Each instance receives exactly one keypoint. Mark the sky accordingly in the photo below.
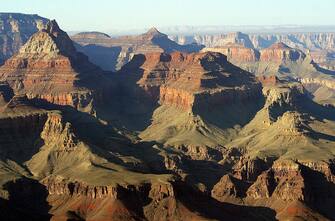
(105, 15)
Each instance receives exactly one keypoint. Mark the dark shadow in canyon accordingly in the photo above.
(232, 107)
(319, 192)
(22, 139)
(306, 105)
(202, 171)
(211, 208)
(129, 105)
(27, 201)
(231, 114)
(102, 56)
(323, 70)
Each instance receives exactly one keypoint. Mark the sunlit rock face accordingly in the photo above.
(15, 30)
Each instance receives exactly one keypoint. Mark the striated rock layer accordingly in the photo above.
(49, 68)
(236, 53)
(187, 80)
(280, 52)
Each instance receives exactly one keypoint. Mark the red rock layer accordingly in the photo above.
(49, 68)
(183, 80)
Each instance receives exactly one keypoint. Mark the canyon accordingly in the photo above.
(230, 131)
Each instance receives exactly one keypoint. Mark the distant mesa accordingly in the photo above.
(113, 53)
(91, 35)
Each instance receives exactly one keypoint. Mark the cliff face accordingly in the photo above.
(49, 68)
(310, 41)
(15, 30)
(224, 39)
(60, 187)
(185, 79)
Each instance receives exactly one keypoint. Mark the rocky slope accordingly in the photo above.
(15, 30)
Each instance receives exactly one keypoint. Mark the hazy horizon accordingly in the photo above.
(136, 16)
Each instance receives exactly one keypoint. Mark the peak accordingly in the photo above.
(50, 41)
(153, 30)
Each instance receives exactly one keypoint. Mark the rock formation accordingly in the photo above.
(320, 46)
(49, 68)
(280, 52)
(15, 30)
(237, 53)
(189, 79)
